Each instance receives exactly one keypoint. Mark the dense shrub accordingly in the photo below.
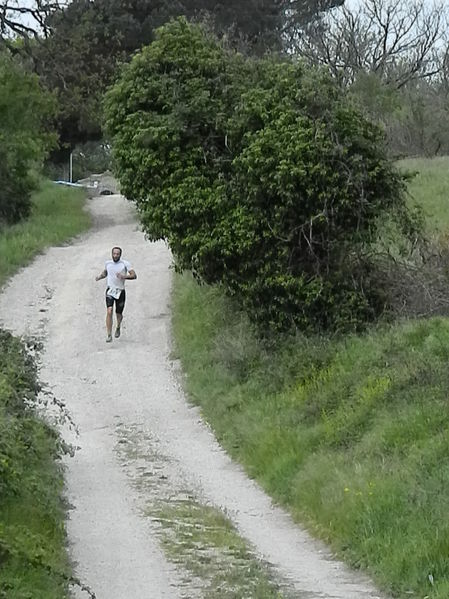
(15, 187)
(32, 535)
(18, 388)
(260, 176)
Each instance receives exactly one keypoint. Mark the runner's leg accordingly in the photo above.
(109, 309)
(109, 321)
(119, 307)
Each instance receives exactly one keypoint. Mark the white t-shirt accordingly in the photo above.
(113, 268)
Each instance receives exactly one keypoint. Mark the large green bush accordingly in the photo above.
(258, 173)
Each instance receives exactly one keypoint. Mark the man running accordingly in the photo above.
(117, 271)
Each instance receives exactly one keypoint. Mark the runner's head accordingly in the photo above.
(116, 253)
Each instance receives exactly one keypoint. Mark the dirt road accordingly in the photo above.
(153, 497)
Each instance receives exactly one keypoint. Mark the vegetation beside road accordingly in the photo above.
(32, 537)
(350, 434)
(429, 187)
(57, 215)
(32, 515)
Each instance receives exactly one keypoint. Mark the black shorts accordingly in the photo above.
(119, 303)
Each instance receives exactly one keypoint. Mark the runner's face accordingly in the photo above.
(116, 255)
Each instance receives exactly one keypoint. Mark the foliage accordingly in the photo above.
(259, 174)
(19, 386)
(179, 90)
(88, 39)
(31, 515)
(80, 57)
(89, 158)
(25, 109)
(393, 55)
(421, 128)
(414, 117)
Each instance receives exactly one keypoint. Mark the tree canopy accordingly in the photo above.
(87, 39)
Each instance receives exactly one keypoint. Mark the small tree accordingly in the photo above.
(259, 174)
(24, 137)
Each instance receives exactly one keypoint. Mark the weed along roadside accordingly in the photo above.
(350, 435)
(34, 561)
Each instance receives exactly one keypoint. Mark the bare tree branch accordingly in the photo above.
(19, 18)
(399, 40)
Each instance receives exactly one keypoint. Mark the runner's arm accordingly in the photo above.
(130, 275)
(102, 275)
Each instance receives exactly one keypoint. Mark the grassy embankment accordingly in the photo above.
(33, 561)
(351, 435)
(57, 216)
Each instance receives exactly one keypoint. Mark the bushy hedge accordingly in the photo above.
(259, 174)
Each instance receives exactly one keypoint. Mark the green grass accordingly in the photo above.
(352, 436)
(57, 216)
(430, 188)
